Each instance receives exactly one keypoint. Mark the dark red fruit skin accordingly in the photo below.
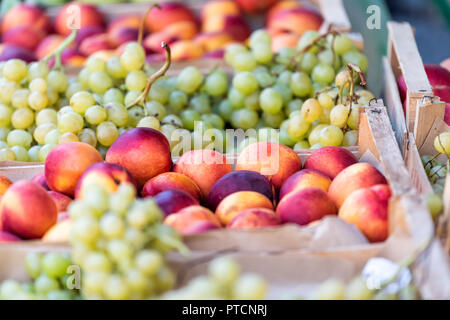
(172, 201)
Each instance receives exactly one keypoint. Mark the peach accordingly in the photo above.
(330, 160)
(172, 201)
(24, 36)
(304, 179)
(95, 43)
(186, 50)
(237, 202)
(9, 51)
(255, 6)
(204, 167)
(355, 177)
(66, 163)
(305, 205)
(297, 20)
(144, 152)
(254, 218)
(108, 175)
(275, 161)
(220, 7)
(183, 30)
(27, 210)
(170, 181)
(8, 237)
(242, 180)
(40, 180)
(5, 183)
(283, 5)
(25, 14)
(73, 57)
(170, 12)
(60, 232)
(284, 40)
(187, 217)
(48, 45)
(213, 41)
(199, 227)
(86, 32)
(235, 25)
(368, 210)
(216, 54)
(123, 29)
(61, 200)
(89, 15)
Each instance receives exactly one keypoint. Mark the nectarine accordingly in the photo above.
(5, 183)
(172, 201)
(304, 179)
(170, 181)
(254, 218)
(330, 160)
(187, 217)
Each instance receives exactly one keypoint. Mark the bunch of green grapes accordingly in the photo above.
(120, 244)
(50, 280)
(223, 282)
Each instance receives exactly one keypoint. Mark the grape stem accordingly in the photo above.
(352, 69)
(58, 51)
(152, 79)
(144, 17)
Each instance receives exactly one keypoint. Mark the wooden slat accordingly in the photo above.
(427, 147)
(428, 110)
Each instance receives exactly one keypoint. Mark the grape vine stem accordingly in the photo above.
(58, 51)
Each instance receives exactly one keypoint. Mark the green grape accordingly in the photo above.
(97, 261)
(232, 50)
(216, 83)
(308, 61)
(264, 78)
(19, 98)
(7, 155)
(81, 101)
(284, 91)
(244, 118)
(95, 115)
(357, 58)
(224, 270)
(100, 82)
(285, 56)
(325, 101)
(44, 284)
(285, 77)
(156, 109)
(135, 114)
(68, 137)
(59, 295)
(117, 113)
(21, 153)
(298, 127)
(88, 136)
(136, 80)
(112, 226)
(44, 151)
(52, 96)
(327, 57)
(86, 229)
(73, 88)
(262, 52)
(273, 120)
(271, 101)
(22, 118)
(357, 290)
(37, 70)
(342, 44)
(294, 105)
(286, 139)
(314, 134)
(251, 101)
(178, 99)
(133, 57)
(435, 204)
(259, 36)
(306, 40)
(94, 64)
(353, 119)
(245, 82)
(331, 136)
(149, 262)
(149, 122)
(15, 70)
(19, 137)
(364, 96)
(58, 81)
(301, 145)
(7, 89)
(339, 115)
(249, 287)
(159, 92)
(350, 138)
(3, 145)
(55, 265)
(323, 74)
(189, 79)
(236, 99)
(244, 61)
(70, 122)
(331, 290)
(311, 110)
(225, 109)
(113, 95)
(115, 69)
(301, 84)
(107, 133)
(39, 85)
(33, 264)
(33, 153)
(165, 279)
(37, 100)
(214, 120)
(442, 143)
(189, 117)
(325, 116)
(52, 137)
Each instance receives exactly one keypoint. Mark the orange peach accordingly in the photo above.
(255, 6)
(60, 232)
(199, 227)
(305, 205)
(172, 201)
(169, 13)
(8, 237)
(304, 179)
(186, 50)
(27, 210)
(295, 20)
(187, 217)
(355, 177)
(213, 41)
(48, 45)
(108, 175)
(95, 43)
(123, 29)
(241, 180)
(89, 15)
(284, 40)
(66, 163)
(61, 200)
(330, 160)
(170, 181)
(25, 14)
(5, 183)
(254, 218)
(24, 36)
(368, 210)
(144, 152)
(235, 25)
(283, 5)
(275, 161)
(40, 180)
(220, 7)
(237, 202)
(183, 30)
(204, 167)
